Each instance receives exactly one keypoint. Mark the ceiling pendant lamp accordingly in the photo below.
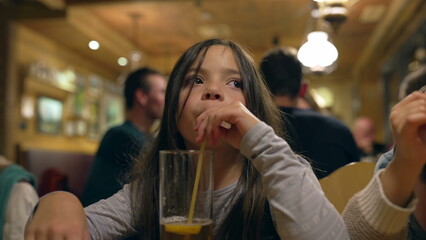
(318, 54)
(136, 56)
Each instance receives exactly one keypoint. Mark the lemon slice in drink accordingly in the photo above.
(183, 229)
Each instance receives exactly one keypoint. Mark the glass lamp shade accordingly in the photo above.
(317, 53)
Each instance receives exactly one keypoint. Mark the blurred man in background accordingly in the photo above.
(144, 92)
(364, 132)
(327, 142)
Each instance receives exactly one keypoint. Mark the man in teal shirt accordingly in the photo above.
(144, 92)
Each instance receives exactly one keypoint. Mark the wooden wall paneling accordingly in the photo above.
(44, 50)
(4, 54)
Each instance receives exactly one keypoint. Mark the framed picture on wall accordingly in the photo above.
(49, 115)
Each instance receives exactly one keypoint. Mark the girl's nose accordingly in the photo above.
(212, 94)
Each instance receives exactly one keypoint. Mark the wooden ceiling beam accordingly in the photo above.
(79, 2)
(54, 4)
(87, 23)
(384, 37)
(97, 2)
(33, 10)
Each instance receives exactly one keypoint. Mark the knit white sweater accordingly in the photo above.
(369, 215)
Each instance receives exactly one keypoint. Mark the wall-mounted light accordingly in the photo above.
(317, 54)
(27, 107)
(323, 97)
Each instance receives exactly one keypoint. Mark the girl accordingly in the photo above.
(262, 189)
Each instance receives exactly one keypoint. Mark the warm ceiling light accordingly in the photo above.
(317, 53)
(94, 45)
(336, 10)
(333, 11)
(122, 61)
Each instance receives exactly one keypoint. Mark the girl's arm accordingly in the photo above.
(59, 215)
(112, 218)
(298, 205)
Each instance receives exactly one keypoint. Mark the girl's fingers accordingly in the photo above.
(200, 134)
(228, 122)
(422, 133)
(41, 235)
(213, 128)
(60, 237)
(84, 236)
(204, 128)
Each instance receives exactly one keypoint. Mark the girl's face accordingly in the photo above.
(217, 83)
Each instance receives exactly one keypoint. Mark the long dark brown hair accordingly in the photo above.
(247, 213)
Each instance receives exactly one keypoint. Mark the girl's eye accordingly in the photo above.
(235, 83)
(193, 80)
(197, 80)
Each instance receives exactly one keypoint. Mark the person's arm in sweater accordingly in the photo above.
(391, 191)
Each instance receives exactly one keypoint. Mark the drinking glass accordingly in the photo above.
(186, 186)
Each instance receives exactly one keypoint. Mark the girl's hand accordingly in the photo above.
(59, 215)
(213, 124)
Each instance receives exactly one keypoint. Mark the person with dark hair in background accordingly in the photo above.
(144, 91)
(327, 142)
